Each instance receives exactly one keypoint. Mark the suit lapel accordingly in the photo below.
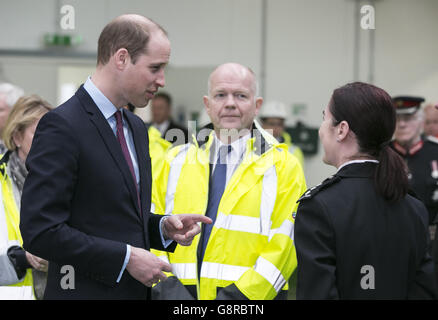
(109, 140)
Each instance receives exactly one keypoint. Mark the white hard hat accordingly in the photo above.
(273, 109)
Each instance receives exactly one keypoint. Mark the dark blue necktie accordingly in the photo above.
(217, 187)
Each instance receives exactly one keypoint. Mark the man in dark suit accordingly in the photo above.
(161, 107)
(86, 201)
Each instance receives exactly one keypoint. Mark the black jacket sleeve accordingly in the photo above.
(315, 247)
(155, 237)
(17, 256)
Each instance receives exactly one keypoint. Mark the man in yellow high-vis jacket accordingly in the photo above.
(248, 183)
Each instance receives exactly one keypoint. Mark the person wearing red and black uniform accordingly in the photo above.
(420, 154)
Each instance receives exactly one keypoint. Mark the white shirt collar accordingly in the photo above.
(355, 161)
(238, 149)
(103, 103)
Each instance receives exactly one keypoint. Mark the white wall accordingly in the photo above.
(407, 47)
(309, 49)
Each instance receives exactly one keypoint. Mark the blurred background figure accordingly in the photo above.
(9, 94)
(273, 115)
(421, 155)
(431, 120)
(161, 112)
(24, 273)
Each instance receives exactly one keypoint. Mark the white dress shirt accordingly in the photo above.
(233, 158)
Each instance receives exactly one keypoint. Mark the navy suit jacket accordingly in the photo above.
(79, 204)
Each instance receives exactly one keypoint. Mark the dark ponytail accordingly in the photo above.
(370, 114)
(391, 176)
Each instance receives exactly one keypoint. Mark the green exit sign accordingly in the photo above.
(63, 40)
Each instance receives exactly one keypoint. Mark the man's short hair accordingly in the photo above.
(11, 93)
(164, 96)
(124, 33)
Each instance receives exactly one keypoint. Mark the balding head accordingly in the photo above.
(129, 31)
(234, 70)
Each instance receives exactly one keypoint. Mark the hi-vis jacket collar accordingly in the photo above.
(261, 141)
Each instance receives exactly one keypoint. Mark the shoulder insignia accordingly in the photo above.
(314, 190)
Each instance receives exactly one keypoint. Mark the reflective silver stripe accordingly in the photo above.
(259, 225)
(269, 195)
(222, 271)
(164, 258)
(242, 223)
(16, 293)
(287, 228)
(174, 173)
(184, 270)
(270, 272)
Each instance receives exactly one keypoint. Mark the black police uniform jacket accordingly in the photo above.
(353, 244)
(422, 161)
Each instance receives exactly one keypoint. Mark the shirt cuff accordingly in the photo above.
(165, 243)
(125, 263)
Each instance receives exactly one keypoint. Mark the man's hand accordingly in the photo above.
(37, 263)
(146, 267)
(182, 228)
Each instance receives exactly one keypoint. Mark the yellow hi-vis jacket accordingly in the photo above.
(295, 150)
(157, 150)
(251, 244)
(10, 236)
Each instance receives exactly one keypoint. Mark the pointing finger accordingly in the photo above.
(199, 218)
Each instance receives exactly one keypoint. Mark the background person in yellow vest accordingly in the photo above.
(157, 150)
(249, 251)
(273, 115)
(21, 271)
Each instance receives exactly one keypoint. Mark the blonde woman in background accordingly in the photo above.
(23, 275)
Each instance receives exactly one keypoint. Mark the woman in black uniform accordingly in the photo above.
(359, 235)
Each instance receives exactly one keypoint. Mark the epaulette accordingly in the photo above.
(314, 190)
